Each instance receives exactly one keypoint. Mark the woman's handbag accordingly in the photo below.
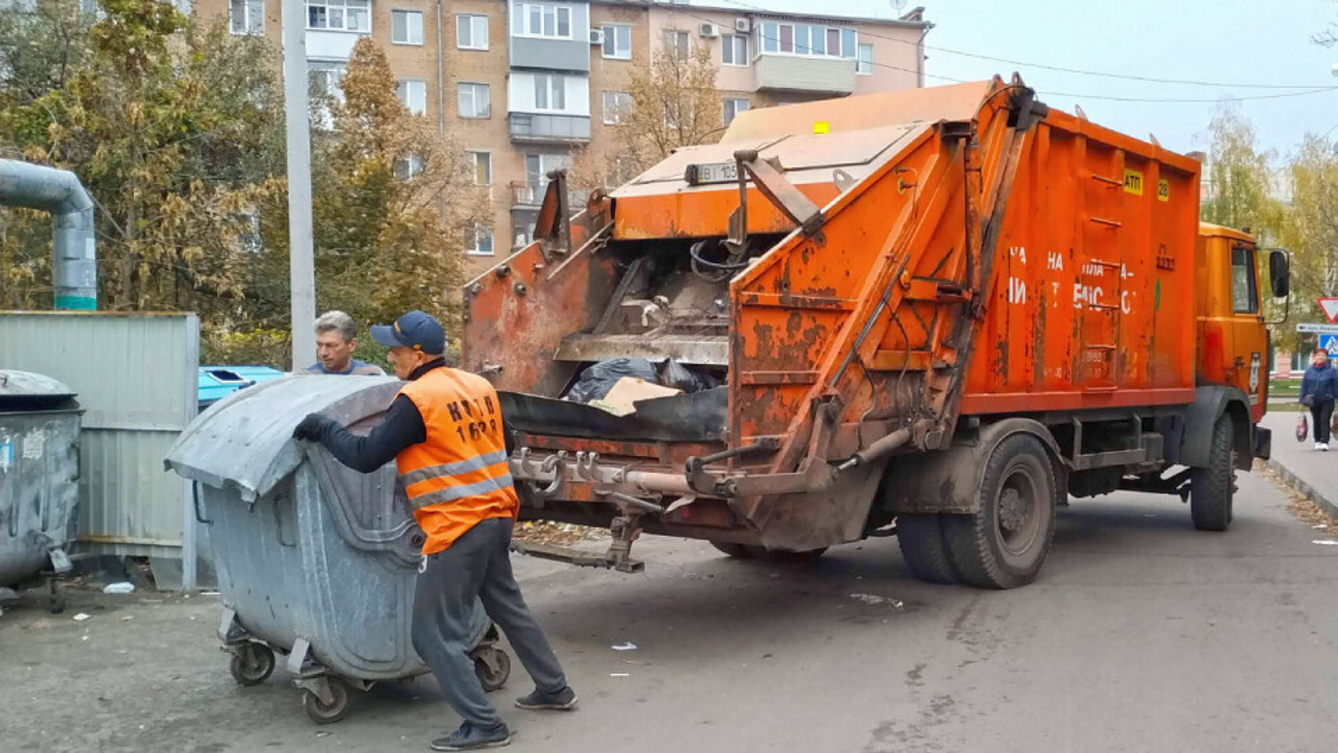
(1302, 428)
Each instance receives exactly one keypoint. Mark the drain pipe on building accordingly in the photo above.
(74, 267)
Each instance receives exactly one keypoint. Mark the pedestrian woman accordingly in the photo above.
(1319, 388)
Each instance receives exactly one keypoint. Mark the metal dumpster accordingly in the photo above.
(315, 560)
(39, 479)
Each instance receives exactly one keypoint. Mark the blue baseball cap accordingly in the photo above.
(415, 330)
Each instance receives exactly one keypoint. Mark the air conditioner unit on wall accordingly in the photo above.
(710, 31)
(742, 25)
(596, 36)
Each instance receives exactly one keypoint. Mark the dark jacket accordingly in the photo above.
(1321, 383)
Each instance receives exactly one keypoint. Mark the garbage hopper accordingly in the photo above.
(39, 479)
(315, 560)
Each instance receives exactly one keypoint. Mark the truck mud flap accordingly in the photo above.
(696, 417)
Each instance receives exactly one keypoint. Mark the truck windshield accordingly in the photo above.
(1244, 296)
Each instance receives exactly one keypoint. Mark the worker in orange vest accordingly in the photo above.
(444, 430)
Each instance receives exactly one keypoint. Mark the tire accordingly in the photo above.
(734, 551)
(1211, 489)
(1005, 543)
(322, 713)
(251, 664)
(493, 668)
(923, 548)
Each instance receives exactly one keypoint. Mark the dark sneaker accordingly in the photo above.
(563, 700)
(469, 737)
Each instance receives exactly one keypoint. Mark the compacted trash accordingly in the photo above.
(315, 560)
(39, 479)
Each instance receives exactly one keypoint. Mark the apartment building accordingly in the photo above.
(527, 86)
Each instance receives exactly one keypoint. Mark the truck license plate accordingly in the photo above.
(712, 172)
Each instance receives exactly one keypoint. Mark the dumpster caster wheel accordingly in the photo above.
(251, 664)
(55, 597)
(327, 713)
(493, 668)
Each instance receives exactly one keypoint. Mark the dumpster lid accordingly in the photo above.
(244, 441)
(24, 391)
(26, 384)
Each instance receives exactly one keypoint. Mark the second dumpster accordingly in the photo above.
(315, 560)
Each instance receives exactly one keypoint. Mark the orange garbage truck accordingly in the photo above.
(935, 314)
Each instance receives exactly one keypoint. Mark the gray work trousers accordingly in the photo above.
(478, 564)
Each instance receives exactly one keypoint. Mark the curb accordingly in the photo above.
(1304, 489)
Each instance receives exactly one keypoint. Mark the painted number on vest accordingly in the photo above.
(474, 418)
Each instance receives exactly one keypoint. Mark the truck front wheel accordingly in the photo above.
(1211, 488)
(1004, 544)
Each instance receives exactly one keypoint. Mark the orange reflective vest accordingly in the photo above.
(460, 475)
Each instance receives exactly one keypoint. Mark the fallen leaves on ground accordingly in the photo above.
(557, 534)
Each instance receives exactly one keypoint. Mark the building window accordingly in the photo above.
(481, 164)
(340, 15)
(247, 16)
(678, 42)
(406, 27)
(407, 168)
(732, 107)
(807, 39)
(471, 32)
(734, 49)
(481, 240)
(620, 170)
(618, 41)
(475, 101)
(541, 20)
(325, 79)
(864, 63)
(537, 168)
(616, 107)
(414, 96)
(550, 92)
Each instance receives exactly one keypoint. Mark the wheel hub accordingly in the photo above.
(1012, 511)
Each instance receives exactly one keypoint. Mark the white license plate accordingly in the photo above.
(715, 172)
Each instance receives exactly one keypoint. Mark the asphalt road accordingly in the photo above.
(1141, 635)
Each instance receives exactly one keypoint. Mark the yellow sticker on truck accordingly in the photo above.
(1163, 190)
(1133, 182)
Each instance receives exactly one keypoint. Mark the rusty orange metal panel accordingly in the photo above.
(1089, 296)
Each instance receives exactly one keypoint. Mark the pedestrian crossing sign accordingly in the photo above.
(1329, 343)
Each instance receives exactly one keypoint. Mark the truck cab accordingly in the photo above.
(1233, 343)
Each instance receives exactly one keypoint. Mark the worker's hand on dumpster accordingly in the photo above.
(311, 427)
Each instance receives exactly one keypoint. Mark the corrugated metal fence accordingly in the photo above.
(136, 379)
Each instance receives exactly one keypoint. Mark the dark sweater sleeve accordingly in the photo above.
(402, 427)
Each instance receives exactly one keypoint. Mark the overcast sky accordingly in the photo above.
(1228, 42)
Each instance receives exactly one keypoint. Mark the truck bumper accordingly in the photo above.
(1263, 443)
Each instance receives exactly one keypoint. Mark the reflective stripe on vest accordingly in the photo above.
(452, 469)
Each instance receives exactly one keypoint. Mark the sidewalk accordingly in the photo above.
(1313, 474)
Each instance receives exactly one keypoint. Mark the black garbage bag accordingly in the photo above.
(596, 381)
(676, 375)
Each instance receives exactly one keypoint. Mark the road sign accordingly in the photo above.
(1317, 329)
(1329, 343)
(1330, 308)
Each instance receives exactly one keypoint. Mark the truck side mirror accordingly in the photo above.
(1279, 272)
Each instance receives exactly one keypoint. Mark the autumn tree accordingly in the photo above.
(1238, 193)
(1310, 232)
(674, 103)
(172, 129)
(394, 207)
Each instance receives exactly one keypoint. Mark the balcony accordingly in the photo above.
(804, 74)
(535, 128)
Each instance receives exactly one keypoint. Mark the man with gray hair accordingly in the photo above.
(335, 342)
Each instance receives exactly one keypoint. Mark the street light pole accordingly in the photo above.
(302, 268)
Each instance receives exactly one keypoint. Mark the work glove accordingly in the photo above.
(311, 428)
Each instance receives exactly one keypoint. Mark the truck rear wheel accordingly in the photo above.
(1004, 544)
(1211, 488)
(923, 548)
